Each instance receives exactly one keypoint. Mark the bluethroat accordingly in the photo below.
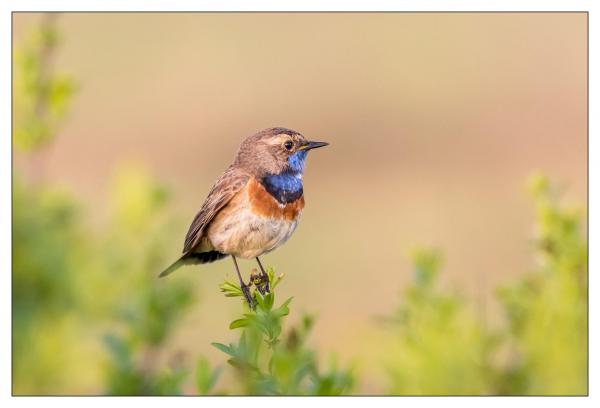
(254, 207)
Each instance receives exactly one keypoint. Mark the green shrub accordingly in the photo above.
(145, 308)
(47, 243)
(547, 309)
(42, 97)
(267, 363)
(440, 346)
(72, 282)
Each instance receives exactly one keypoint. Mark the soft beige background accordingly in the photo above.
(435, 121)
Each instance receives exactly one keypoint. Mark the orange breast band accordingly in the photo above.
(264, 204)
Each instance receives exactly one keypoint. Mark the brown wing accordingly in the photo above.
(232, 181)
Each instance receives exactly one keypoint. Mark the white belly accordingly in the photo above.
(244, 234)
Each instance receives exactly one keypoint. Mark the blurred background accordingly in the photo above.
(436, 122)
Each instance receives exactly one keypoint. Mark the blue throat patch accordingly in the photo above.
(287, 186)
(297, 161)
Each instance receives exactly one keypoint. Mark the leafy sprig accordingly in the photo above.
(271, 363)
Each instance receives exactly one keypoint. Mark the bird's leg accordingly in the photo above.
(245, 288)
(264, 277)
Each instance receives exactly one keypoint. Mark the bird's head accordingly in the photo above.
(275, 151)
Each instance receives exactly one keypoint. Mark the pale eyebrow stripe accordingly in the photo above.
(278, 139)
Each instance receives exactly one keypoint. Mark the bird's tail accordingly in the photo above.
(192, 259)
(173, 267)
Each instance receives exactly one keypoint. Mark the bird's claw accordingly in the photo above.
(261, 282)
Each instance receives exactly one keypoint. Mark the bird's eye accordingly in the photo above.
(288, 145)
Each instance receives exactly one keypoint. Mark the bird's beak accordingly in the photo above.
(313, 145)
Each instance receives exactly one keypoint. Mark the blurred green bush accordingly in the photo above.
(47, 245)
(145, 308)
(547, 309)
(42, 98)
(73, 284)
(443, 347)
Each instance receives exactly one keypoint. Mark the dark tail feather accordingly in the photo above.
(174, 266)
(193, 259)
(206, 257)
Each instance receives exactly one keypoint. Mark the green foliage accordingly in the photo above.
(42, 97)
(267, 363)
(71, 282)
(440, 347)
(48, 241)
(547, 310)
(64, 291)
(47, 244)
(206, 377)
(126, 376)
(47, 271)
(146, 308)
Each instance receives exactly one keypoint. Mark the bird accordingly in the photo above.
(254, 206)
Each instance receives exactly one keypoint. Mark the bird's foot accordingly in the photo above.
(246, 291)
(266, 283)
(261, 281)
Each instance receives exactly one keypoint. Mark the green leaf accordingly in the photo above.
(269, 300)
(230, 289)
(239, 323)
(224, 348)
(283, 310)
(260, 300)
(205, 376)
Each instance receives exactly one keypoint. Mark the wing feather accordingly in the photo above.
(230, 183)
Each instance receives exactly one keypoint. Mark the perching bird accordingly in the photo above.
(254, 207)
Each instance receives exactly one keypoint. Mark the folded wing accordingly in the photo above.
(230, 183)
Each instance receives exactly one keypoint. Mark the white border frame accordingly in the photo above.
(6, 8)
